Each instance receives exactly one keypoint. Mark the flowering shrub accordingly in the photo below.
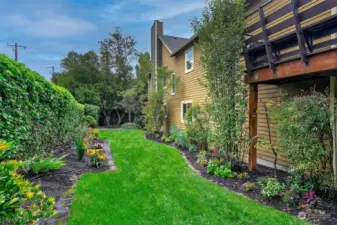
(290, 197)
(95, 133)
(96, 157)
(20, 201)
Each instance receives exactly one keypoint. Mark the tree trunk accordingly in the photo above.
(130, 116)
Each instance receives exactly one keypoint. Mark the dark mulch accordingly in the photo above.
(325, 213)
(57, 183)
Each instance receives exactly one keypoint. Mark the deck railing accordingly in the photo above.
(283, 30)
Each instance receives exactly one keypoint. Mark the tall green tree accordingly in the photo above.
(81, 75)
(117, 52)
(221, 39)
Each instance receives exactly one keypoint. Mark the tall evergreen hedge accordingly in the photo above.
(34, 113)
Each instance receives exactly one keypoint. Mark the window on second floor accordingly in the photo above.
(189, 60)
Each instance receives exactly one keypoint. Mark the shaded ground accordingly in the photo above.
(154, 185)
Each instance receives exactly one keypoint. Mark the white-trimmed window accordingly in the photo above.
(173, 90)
(185, 105)
(165, 111)
(189, 60)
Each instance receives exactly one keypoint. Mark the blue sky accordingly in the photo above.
(51, 28)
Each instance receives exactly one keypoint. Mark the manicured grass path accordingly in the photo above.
(154, 185)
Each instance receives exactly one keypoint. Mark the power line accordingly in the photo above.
(16, 47)
(52, 69)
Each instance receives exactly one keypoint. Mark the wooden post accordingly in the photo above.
(253, 100)
(333, 120)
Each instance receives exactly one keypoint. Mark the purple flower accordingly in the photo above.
(292, 198)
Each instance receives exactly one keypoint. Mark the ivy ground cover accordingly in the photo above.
(154, 185)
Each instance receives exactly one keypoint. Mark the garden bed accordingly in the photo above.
(325, 212)
(61, 183)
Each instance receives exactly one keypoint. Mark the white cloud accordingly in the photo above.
(149, 10)
(54, 26)
(168, 12)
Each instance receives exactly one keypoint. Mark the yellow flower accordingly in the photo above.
(3, 146)
(91, 152)
(101, 157)
(30, 195)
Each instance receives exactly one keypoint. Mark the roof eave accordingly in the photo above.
(162, 40)
(192, 39)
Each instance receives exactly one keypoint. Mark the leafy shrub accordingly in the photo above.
(290, 197)
(174, 131)
(41, 165)
(271, 187)
(197, 126)
(212, 165)
(202, 158)
(93, 134)
(90, 121)
(224, 171)
(192, 148)
(80, 148)
(92, 110)
(181, 140)
(96, 157)
(20, 202)
(37, 113)
(242, 176)
(165, 138)
(249, 186)
(305, 134)
(130, 126)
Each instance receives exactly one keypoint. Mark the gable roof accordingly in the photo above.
(184, 45)
(172, 43)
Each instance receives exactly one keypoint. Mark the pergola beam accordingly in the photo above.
(267, 43)
(299, 32)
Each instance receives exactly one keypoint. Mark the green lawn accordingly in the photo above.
(154, 185)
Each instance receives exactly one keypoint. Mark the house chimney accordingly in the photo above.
(156, 50)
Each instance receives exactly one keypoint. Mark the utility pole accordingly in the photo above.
(16, 49)
(52, 69)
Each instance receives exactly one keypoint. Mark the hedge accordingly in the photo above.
(91, 110)
(34, 113)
